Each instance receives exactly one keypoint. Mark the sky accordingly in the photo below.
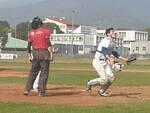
(122, 13)
(17, 3)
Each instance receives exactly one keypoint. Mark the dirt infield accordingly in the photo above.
(4, 72)
(74, 95)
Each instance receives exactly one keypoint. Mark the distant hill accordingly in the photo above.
(101, 13)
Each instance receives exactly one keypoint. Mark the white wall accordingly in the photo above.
(78, 30)
(76, 39)
(132, 35)
(63, 27)
(140, 47)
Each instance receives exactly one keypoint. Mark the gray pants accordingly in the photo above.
(37, 65)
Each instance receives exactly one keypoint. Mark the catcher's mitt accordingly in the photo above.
(131, 60)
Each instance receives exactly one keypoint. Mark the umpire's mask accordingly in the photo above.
(36, 23)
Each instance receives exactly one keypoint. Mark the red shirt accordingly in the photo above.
(38, 38)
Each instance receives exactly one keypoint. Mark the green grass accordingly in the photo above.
(79, 78)
(70, 77)
(132, 79)
(67, 77)
(71, 65)
(12, 80)
(22, 64)
(56, 77)
(44, 108)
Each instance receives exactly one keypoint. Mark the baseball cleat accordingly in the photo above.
(87, 86)
(35, 90)
(25, 92)
(104, 94)
(42, 94)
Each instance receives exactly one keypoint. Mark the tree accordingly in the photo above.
(3, 40)
(52, 26)
(4, 30)
(4, 25)
(22, 30)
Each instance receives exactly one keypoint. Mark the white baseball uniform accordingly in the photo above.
(101, 65)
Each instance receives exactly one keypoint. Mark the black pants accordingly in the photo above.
(38, 65)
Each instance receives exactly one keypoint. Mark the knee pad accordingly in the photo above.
(111, 78)
(103, 81)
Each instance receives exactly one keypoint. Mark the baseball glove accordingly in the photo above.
(131, 60)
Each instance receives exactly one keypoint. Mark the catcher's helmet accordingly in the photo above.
(108, 30)
(36, 22)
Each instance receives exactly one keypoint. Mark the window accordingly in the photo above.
(98, 39)
(137, 48)
(80, 38)
(51, 38)
(124, 34)
(80, 47)
(144, 48)
(62, 26)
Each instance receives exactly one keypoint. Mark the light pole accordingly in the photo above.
(0, 44)
(73, 12)
(15, 35)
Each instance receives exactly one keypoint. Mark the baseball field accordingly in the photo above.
(66, 93)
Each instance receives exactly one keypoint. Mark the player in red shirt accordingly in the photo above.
(38, 38)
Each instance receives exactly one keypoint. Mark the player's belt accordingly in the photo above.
(98, 51)
(101, 53)
(99, 58)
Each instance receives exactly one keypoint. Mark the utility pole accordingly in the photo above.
(73, 11)
(15, 35)
(0, 44)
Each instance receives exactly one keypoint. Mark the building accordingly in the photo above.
(85, 39)
(140, 48)
(81, 41)
(131, 37)
(15, 46)
(64, 24)
(126, 39)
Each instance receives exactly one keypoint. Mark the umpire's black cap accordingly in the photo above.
(36, 22)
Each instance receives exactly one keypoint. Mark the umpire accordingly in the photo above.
(38, 38)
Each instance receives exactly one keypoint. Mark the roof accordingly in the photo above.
(62, 20)
(16, 43)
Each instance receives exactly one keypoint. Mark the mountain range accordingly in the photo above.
(100, 13)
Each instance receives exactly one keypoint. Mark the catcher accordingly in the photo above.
(103, 63)
(116, 66)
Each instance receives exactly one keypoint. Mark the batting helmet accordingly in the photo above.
(36, 22)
